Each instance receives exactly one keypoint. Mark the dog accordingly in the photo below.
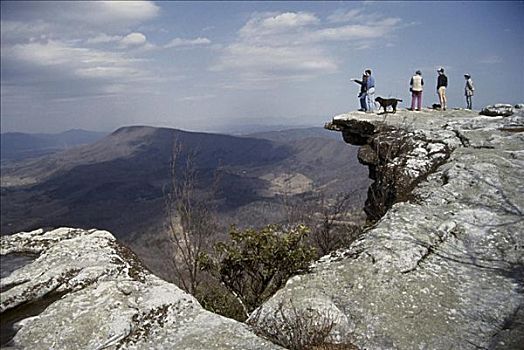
(386, 102)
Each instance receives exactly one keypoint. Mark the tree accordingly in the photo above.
(334, 222)
(256, 263)
(189, 219)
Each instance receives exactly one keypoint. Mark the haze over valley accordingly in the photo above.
(120, 182)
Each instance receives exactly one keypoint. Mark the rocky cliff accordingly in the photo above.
(443, 267)
(78, 289)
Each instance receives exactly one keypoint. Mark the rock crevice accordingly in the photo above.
(440, 271)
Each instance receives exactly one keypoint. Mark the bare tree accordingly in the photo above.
(189, 218)
(334, 223)
(298, 328)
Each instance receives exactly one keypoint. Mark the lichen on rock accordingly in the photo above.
(86, 291)
(443, 267)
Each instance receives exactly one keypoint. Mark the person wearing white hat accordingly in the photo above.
(442, 84)
(469, 91)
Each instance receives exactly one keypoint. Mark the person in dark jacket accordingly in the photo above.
(469, 90)
(363, 91)
(442, 84)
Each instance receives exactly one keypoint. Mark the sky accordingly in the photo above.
(216, 66)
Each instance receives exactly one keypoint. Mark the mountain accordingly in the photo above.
(119, 183)
(16, 146)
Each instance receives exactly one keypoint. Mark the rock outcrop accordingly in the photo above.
(83, 290)
(443, 268)
(498, 110)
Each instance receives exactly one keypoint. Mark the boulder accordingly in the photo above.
(497, 110)
(443, 268)
(84, 290)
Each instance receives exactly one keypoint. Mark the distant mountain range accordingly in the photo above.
(16, 146)
(119, 182)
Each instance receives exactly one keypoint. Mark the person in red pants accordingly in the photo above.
(417, 85)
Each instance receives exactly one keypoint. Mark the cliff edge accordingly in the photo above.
(443, 266)
(81, 289)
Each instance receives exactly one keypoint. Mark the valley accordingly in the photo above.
(119, 183)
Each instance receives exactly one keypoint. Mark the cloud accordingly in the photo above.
(298, 46)
(103, 38)
(275, 59)
(65, 49)
(264, 24)
(124, 10)
(55, 53)
(82, 13)
(133, 39)
(61, 70)
(341, 16)
(178, 42)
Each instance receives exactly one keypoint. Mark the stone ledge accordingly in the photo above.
(445, 269)
(86, 291)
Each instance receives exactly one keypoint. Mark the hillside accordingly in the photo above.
(119, 183)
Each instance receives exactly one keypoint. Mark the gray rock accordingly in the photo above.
(497, 110)
(86, 291)
(443, 270)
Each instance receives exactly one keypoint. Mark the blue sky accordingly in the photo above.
(211, 66)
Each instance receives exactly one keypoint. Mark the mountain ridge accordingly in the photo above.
(119, 183)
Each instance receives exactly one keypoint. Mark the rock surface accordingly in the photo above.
(86, 291)
(499, 109)
(444, 267)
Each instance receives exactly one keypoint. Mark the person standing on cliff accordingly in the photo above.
(468, 91)
(363, 89)
(442, 84)
(417, 85)
(370, 91)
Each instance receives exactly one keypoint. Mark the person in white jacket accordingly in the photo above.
(417, 85)
(468, 91)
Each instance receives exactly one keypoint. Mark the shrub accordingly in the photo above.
(298, 329)
(256, 263)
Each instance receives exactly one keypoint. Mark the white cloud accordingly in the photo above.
(275, 59)
(60, 49)
(178, 42)
(55, 53)
(108, 72)
(133, 39)
(68, 63)
(355, 31)
(15, 31)
(263, 24)
(103, 38)
(341, 16)
(125, 10)
(280, 46)
(95, 13)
